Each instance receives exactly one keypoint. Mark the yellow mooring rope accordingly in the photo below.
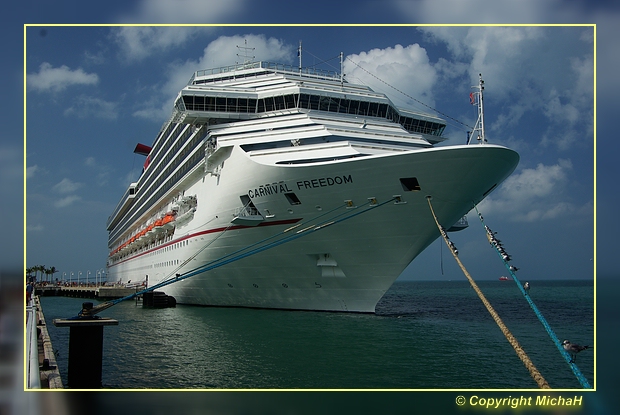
(542, 383)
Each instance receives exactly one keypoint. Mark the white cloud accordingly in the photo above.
(67, 201)
(102, 170)
(34, 228)
(30, 171)
(499, 53)
(57, 79)
(90, 107)
(11, 167)
(533, 194)
(525, 76)
(96, 59)
(483, 11)
(139, 42)
(396, 66)
(66, 186)
(184, 11)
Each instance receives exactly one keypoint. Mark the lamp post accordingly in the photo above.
(87, 274)
(71, 278)
(79, 273)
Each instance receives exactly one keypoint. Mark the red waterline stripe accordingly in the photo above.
(214, 230)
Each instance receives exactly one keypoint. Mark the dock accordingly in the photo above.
(43, 370)
(98, 292)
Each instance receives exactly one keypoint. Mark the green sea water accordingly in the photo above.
(424, 335)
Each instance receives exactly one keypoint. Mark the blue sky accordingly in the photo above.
(94, 92)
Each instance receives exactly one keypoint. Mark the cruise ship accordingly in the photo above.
(276, 186)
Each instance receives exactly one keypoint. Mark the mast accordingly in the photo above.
(481, 108)
(476, 98)
(247, 59)
(299, 55)
(341, 69)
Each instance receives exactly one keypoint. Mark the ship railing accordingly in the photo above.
(273, 66)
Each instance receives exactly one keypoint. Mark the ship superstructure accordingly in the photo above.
(254, 149)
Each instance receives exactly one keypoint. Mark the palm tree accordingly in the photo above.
(40, 268)
(52, 271)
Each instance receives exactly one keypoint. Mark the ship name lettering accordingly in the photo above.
(324, 182)
(268, 190)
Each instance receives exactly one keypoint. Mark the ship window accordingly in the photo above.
(372, 110)
(324, 103)
(353, 107)
(269, 104)
(220, 104)
(303, 101)
(210, 104)
(188, 101)
(314, 102)
(232, 104)
(382, 110)
(289, 101)
(251, 105)
(363, 108)
(335, 105)
(242, 105)
(199, 103)
(292, 198)
(279, 102)
(410, 184)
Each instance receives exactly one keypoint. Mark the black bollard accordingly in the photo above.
(85, 349)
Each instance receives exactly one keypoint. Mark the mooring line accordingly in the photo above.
(227, 259)
(542, 383)
(580, 377)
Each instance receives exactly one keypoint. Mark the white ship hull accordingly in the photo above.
(347, 266)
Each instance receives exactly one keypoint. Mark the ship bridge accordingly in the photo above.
(264, 89)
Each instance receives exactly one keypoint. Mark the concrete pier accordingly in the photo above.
(48, 368)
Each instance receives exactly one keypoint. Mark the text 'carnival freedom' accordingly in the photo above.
(271, 189)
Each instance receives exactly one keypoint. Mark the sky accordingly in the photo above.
(93, 93)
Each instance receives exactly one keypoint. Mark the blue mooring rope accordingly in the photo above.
(584, 382)
(237, 255)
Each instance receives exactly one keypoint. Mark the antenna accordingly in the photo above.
(341, 69)
(476, 98)
(247, 59)
(299, 55)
